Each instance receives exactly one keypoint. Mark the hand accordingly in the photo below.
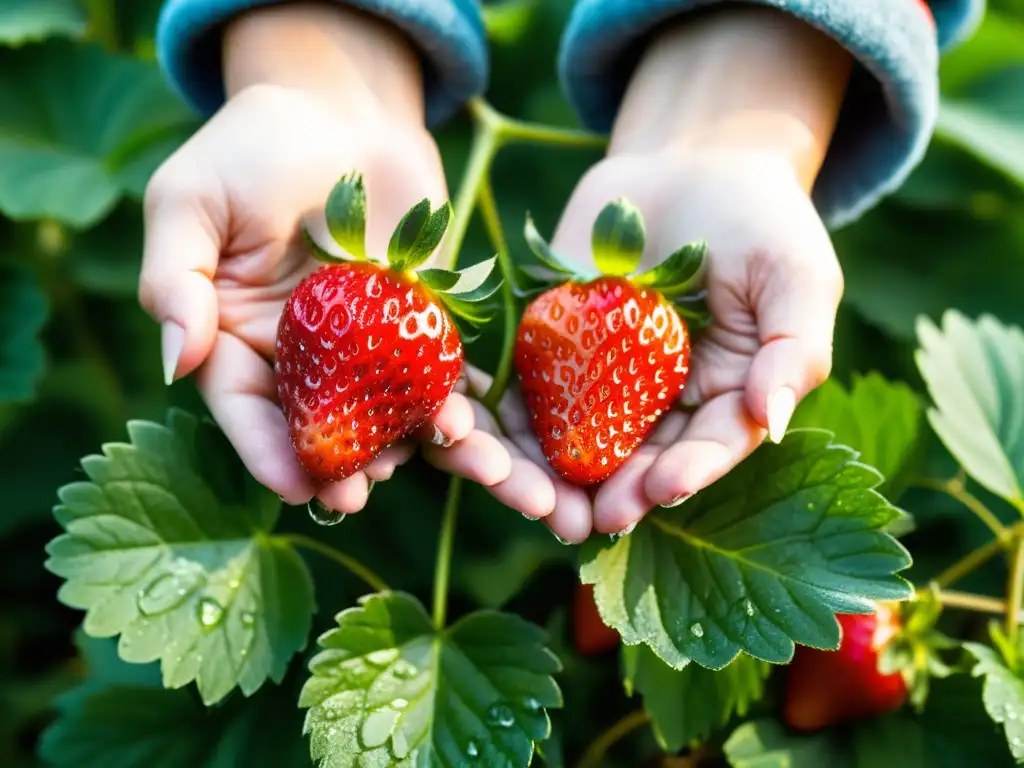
(223, 245)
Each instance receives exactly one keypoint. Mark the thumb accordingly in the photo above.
(796, 313)
(180, 253)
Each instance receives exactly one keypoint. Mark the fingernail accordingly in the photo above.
(531, 518)
(440, 438)
(624, 532)
(676, 501)
(322, 514)
(781, 404)
(172, 339)
(369, 486)
(559, 539)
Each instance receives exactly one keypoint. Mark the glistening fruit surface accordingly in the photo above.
(599, 363)
(364, 356)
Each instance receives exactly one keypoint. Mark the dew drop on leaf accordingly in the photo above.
(248, 619)
(400, 703)
(377, 727)
(399, 746)
(531, 704)
(748, 607)
(696, 629)
(385, 657)
(1011, 714)
(321, 514)
(404, 670)
(170, 589)
(472, 750)
(500, 715)
(209, 612)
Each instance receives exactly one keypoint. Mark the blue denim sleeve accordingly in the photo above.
(889, 113)
(449, 35)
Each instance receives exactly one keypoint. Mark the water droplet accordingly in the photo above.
(404, 670)
(472, 750)
(1011, 714)
(322, 514)
(696, 629)
(500, 715)
(209, 612)
(331, 731)
(377, 727)
(531, 704)
(385, 657)
(248, 619)
(400, 703)
(748, 608)
(170, 589)
(399, 745)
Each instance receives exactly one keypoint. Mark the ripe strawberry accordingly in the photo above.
(824, 688)
(368, 351)
(591, 636)
(601, 357)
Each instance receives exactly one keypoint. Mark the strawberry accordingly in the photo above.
(825, 687)
(591, 636)
(601, 356)
(368, 350)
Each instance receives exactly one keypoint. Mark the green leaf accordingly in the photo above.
(1002, 694)
(168, 545)
(23, 313)
(691, 703)
(767, 744)
(417, 235)
(879, 419)
(975, 376)
(345, 212)
(757, 561)
(104, 260)
(477, 282)
(679, 273)
(388, 689)
(987, 120)
(506, 22)
(119, 718)
(617, 238)
(547, 255)
(24, 21)
(438, 279)
(96, 127)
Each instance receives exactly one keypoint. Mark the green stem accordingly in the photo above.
(594, 756)
(443, 566)
(103, 23)
(347, 562)
(955, 489)
(971, 602)
(1015, 590)
(492, 221)
(970, 562)
(524, 132)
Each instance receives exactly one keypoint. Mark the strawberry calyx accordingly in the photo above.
(468, 295)
(617, 242)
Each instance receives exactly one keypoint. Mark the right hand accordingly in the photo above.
(224, 249)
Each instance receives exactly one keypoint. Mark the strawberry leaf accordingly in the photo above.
(549, 257)
(756, 562)
(389, 689)
(879, 419)
(477, 282)
(22, 317)
(680, 273)
(320, 253)
(168, 545)
(915, 652)
(617, 238)
(693, 309)
(693, 702)
(1002, 694)
(417, 235)
(24, 21)
(346, 215)
(975, 376)
(438, 279)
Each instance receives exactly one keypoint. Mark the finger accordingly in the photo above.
(452, 422)
(718, 437)
(239, 389)
(572, 518)
(796, 316)
(180, 252)
(392, 457)
(346, 496)
(480, 458)
(621, 500)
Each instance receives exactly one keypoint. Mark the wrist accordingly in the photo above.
(749, 80)
(334, 52)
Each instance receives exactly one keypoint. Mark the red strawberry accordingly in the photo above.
(601, 358)
(824, 688)
(368, 351)
(591, 636)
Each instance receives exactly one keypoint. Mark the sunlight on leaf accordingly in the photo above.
(879, 419)
(618, 238)
(167, 545)
(1003, 695)
(756, 562)
(692, 702)
(23, 312)
(974, 370)
(388, 689)
(24, 21)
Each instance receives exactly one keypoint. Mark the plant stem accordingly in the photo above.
(970, 563)
(1014, 591)
(956, 489)
(492, 220)
(595, 753)
(347, 562)
(521, 131)
(103, 23)
(443, 566)
(970, 602)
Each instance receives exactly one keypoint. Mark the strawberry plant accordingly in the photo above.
(850, 596)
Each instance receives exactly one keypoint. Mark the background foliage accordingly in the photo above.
(84, 120)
